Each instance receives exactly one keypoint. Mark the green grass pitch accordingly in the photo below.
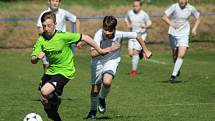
(146, 97)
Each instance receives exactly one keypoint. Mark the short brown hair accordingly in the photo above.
(109, 23)
(140, 1)
(48, 15)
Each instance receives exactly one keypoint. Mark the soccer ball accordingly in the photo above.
(32, 117)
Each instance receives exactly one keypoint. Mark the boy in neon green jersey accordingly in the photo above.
(56, 46)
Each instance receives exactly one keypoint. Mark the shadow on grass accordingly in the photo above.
(68, 99)
(175, 82)
(113, 117)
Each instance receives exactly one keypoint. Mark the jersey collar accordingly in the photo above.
(49, 38)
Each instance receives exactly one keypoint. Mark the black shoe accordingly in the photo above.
(179, 72)
(141, 54)
(173, 79)
(102, 105)
(92, 115)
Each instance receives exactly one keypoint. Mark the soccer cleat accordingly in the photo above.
(102, 106)
(92, 115)
(141, 54)
(173, 79)
(133, 73)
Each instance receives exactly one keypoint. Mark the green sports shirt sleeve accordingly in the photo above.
(72, 38)
(37, 48)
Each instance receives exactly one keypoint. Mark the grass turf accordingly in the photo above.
(146, 97)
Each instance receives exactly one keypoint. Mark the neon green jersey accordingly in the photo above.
(59, 53)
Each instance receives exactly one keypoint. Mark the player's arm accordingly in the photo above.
(37, 53)
(146, 52)
(111, 49)
(167, 20)
(196, 25)
(35, 59)
(72, 18)
(93, 44)
(166, 17)
(78, 26)
(128, 22)
(196, 14)
(148, 22)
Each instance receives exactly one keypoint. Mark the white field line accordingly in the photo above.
(152, 60)
(157, 61)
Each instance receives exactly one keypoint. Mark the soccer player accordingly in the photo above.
(177, 17)
(137, 21)
(56, 46)
(103, 68)
(61, 17)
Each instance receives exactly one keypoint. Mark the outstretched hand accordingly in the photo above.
(147, 55)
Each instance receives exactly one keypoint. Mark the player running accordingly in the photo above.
(137, 21)
(103, 68)
(61, 17)
(177, 16)
(57, 47)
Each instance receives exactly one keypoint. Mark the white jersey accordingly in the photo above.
(104, 42)
(137, 20)
(181, 18)
(61, 17)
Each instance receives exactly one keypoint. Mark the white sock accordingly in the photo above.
(94, 102)
(134, 62)
(177, 66)
(104, 92)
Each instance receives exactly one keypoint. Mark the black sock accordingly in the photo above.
(53, 114)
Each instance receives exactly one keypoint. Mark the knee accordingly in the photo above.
(95, 93)
(107, 84)
(181, 56)
(44, 93)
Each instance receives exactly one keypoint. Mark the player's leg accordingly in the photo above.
(96, 80)
(182, 48)
(134, 62)
(173, 46)
(134, 57)
(94, 101)
(105, 89)
(179, 61)
(108, 75)
(51, 89)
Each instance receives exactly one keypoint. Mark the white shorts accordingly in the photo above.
(45, 61)
(98, 69)
(134, 44)
(178, 41)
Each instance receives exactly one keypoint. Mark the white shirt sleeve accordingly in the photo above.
(70, 17)
(39, 23)
(170, 10)
(129, 35)
(97, 39)
(147, 19)
(127, 18)
(195, 12)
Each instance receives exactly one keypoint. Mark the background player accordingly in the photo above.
(56, 46)
(61, 17)
(103, 68)
(177, 16)
(137, 21)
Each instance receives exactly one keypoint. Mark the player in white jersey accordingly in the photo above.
(137, 21)
(104, 67)
(177, 17)
(61, 17)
